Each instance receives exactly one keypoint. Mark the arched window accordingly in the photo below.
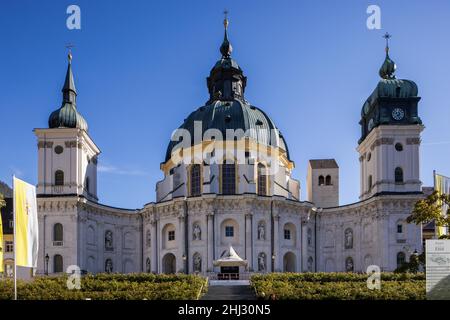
(328, 180)
(398, 175)
(195, 180)
(369, 183)
(57, 234)
(401, 259)
(321, 180)
(86, 184)
(57, 263)
(228, 178)
(262, 180)
(59, 178)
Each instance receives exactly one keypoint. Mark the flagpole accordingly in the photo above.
(14, 242)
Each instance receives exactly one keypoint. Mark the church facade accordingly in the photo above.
(228, 202)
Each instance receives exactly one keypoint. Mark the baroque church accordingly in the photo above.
(228, 204)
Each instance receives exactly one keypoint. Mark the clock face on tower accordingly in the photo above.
(398, 114)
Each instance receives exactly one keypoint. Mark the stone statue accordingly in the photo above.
(261, 231)
(310, 264)
(197, 263)
(148, 266)
(349, 265)
(197, 233)
(348, 239)
(148, 239)
(108, 266)
(108, 240)
(262, 262)
(309, 237)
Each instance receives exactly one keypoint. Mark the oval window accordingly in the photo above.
(59, 149)
(398, 147)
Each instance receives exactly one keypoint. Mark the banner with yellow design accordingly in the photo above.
(442, 186)
(26, 224)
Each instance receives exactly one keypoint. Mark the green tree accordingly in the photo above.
(429, 209)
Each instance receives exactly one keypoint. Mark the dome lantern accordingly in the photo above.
(226, 81)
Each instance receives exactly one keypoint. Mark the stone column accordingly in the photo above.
(154, 247)
(210, 241)
(276, 238)
(248, 240)
(101, 247)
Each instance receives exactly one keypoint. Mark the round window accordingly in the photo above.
(398, 147)
(59, 149)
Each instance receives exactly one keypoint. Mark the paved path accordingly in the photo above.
(229, 292)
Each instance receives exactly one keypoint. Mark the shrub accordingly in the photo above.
(107, 287)
(338, 286)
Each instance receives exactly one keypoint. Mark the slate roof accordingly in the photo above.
(323, 164)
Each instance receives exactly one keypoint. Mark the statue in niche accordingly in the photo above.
(148, 239)
(197, 233)
(262, 262)
(197, 263)
(108, 240)
(108, 266)
(310, 264)
(348, 239)
(261, 231)
(349, 264)
(148, 265)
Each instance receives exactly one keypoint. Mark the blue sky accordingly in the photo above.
(140, 69)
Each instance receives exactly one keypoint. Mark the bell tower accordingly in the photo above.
(67, 156)
(390, 135)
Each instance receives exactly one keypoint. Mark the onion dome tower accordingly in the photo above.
(67, 116)
(390, 135)
(394, 101)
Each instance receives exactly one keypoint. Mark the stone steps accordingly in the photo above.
(229, 292)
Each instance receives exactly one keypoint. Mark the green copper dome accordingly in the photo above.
(388, 68)
(67, 115)
(389, 86)
(227, 108)
(234, 115)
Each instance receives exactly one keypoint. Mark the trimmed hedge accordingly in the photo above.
(338, 286)
(108, 287)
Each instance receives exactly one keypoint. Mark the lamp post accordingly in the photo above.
(184, 263)
(47, 258)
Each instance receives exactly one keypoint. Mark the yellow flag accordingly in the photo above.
(442, 186)
(26, 224)
(1, 245)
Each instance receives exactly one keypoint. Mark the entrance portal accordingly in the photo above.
(229, 273)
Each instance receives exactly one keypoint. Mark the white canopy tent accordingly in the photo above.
(230, 259)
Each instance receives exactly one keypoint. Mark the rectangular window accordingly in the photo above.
(11, 224)
(229, 231)
(228, 179)
(287, 234)
(9, 246)
(171, 235)
(195, 180)
(399, 228)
